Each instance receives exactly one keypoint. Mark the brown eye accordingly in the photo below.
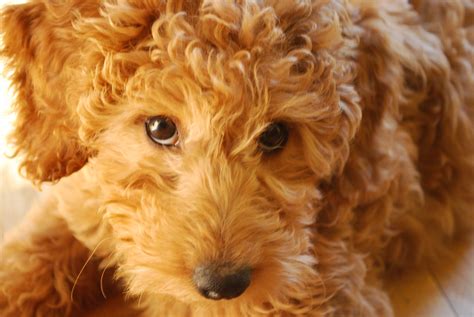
(274, 137)
(162, 130)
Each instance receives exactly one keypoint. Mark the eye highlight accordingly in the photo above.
(162, 130)
(273, 138)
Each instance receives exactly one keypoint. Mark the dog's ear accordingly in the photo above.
(37, 47)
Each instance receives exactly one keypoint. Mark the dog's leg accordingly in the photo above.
(43, 269)
(351, 279)
(372, 301)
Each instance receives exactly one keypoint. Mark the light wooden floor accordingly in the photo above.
(445, 290)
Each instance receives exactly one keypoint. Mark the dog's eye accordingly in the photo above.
(162, 130)
(273, 138)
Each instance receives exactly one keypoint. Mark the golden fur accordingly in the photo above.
(377, 173)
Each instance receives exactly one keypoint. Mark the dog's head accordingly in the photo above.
(209, 125)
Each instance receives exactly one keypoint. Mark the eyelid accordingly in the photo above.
(175, 136)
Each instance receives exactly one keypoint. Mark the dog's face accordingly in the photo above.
(212, 125)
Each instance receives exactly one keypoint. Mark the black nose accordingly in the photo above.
(221, 281)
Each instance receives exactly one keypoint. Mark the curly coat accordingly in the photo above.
(377, 173)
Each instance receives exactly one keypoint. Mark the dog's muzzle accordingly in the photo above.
(222, 281)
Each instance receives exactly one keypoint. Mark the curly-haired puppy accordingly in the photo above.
(236, 158)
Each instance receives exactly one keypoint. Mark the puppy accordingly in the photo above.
(236, 158)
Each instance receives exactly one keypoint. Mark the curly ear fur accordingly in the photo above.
(37, 45)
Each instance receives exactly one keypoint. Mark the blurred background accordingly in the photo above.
(16, 193)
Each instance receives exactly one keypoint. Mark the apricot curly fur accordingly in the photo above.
(377, 172)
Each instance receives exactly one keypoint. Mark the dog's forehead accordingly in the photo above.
(228, 59)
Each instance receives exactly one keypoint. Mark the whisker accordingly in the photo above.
(84, 266)
(102, 281)
(140, 300)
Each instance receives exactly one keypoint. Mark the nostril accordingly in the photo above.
(220, 281)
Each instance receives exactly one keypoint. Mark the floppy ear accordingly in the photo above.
(38, 48)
